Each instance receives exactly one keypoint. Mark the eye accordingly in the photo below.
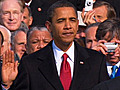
(60, 20)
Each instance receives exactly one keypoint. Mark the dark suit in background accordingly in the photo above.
(38, 71)
(39, 17)
(112, 84)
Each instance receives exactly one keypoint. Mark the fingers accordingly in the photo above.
(8, 57)
(88, 17)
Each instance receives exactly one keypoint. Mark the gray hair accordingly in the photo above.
(15, 33)
(92, 25)
(20, 2)
(34, 28)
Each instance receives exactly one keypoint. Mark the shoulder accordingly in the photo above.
(112, 84)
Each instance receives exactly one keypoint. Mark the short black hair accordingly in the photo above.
(58, 4)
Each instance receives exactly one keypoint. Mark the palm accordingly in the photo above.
(9, 68)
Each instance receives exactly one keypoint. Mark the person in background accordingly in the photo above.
(11, 14)
(27, 16)
(112, 34)
(37, 38)
(80, 36)
(101, 11)
(18, 43)
(46, 69)
(109, 32)
(90, 32)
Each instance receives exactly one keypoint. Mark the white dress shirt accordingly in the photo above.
(109, 68)
(58, 57)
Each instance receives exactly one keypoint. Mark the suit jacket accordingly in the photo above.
(39, 17)
(38, 71)
(112, 84)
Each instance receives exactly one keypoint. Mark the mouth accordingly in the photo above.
(68, 34)
(13, 23)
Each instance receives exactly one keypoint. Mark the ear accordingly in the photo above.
(30, 20)
(48, 25)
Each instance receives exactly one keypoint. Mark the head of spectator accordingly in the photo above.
(109, 31)
(101, 11)
(18, 42)
(6, 35)
(37, 38)
(11, 13)
(90, 32)
(27, 16)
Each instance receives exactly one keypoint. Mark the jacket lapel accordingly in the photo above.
(81, 67)
(48, 68)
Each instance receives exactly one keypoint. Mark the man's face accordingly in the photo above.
(37, 40)
(113, 57)
(80, 32)
(11, 15)
(101, 13)
(90, 37)
(20, 43)
(64, 26)
(26, 18)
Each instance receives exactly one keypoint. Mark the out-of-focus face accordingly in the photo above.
(101, 13)
(11, 16)
(6, 42)
(90, 37)
(37, 40)
(20, 43)
(112, 57)
(26, 18)
(64, 26)
(80, 32)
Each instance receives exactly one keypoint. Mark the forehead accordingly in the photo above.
(38, 33)
(7, 5)
(64, 12)
(101, 10)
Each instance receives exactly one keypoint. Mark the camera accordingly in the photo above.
(111, 46)
(88, 5)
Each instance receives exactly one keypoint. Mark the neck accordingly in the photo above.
(63, 46)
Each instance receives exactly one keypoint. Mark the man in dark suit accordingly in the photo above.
(112, 84)
(46, 68)
(39, 9)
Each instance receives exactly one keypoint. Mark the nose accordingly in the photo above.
(67, 25)
(93, 44)
(24, 48)
(40, 45)
(11, 17)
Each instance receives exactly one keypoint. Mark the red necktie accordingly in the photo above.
(65, 73)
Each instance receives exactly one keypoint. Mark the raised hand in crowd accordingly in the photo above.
(88, 17)
(9, 69)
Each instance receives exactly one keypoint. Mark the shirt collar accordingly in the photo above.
(118, 64)
(58, 52)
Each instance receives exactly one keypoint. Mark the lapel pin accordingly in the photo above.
(81, 62)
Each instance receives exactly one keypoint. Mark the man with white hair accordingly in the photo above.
(11, 13)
